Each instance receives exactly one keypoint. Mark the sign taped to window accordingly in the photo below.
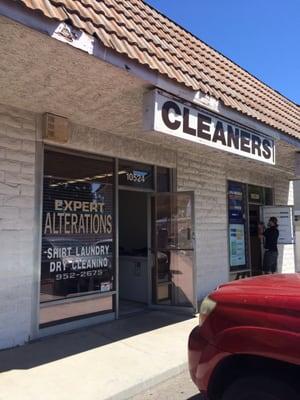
(284, 215)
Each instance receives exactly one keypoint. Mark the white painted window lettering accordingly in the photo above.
(136, 176)
(194, 124)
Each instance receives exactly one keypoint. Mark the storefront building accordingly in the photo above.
(135, 165)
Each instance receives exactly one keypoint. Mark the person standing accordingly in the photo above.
(271, 235)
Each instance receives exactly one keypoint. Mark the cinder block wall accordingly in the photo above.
(204, 172)
(17, 177)
(207, 174)
(96, 141)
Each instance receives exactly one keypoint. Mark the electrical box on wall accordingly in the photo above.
(56, 128)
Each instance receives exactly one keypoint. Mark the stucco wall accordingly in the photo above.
(17, 177)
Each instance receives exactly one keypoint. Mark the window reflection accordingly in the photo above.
(77, 228)
(174, 250)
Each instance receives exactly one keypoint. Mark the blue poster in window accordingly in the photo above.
(235, 203)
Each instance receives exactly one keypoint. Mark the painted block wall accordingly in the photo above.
(17, 178)
(203, 171)
(207, 175)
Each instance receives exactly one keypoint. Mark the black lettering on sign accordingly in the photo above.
(170, 105)
(267, 149)
(256, 145)
(186, 128)
(203, 129)
(245, 141)
(233, 137)
(219, 134)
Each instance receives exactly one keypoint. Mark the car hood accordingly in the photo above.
(277, 284)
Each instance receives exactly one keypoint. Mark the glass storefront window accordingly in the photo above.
(172, 242)
(163, 179)
(255, 194)
(237, 226)
(77, 229)
(260, 195)
(244, 216)
(268, 197)
(136, 175)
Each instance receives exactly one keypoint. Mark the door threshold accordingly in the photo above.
(128, 308)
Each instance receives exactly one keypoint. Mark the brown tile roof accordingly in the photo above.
(133, 28)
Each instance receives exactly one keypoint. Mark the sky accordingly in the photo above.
(262, 36)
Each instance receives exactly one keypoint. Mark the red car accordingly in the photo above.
(247, 344)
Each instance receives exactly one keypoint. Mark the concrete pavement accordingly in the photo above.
(112, 361)
(179, 387)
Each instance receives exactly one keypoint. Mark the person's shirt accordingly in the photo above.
(271, 237)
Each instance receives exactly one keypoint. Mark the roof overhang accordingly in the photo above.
(73, 37)
(43, 71)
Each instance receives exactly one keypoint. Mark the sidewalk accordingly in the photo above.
(111, 361)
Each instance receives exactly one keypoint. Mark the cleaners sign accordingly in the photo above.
(196, 125)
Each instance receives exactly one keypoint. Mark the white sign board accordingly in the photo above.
(284, 215)
(166, 115)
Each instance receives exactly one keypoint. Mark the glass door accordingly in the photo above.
(172, 249)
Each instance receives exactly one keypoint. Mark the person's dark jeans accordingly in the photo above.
(270, 261)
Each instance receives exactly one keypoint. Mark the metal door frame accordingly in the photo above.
(194, 308)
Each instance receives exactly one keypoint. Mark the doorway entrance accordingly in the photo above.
(257, 198)
(255, 242)
(245, 203)
(156, 251)
(173, 268)
(133, 251)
